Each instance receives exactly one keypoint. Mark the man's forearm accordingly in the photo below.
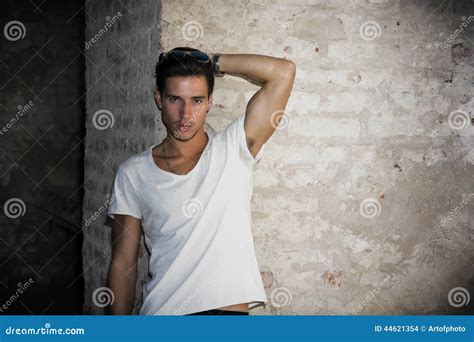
(258, 68)
(122, 285)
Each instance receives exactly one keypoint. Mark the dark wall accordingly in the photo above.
(41, 156)
(122, 40)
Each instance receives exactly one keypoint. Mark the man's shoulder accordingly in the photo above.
(134, 161)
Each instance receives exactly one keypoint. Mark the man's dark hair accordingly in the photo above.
(185, 66)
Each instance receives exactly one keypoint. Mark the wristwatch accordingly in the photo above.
(215, 65)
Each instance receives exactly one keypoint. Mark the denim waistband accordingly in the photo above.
(219, 312)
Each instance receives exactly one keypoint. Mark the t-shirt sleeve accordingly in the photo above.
(123, 200)
(235, 136)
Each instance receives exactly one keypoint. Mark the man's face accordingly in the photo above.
(184, 103)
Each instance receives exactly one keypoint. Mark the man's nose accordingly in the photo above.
(187, 109)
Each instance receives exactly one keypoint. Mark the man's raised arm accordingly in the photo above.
(265, 108)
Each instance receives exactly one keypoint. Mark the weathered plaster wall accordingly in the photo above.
(366, 134)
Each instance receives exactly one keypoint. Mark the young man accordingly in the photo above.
(191, 193)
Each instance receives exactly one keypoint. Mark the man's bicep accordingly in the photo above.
(266, 107)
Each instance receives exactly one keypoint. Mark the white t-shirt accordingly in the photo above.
(197, 226)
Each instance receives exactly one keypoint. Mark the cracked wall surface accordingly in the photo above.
(363, 200)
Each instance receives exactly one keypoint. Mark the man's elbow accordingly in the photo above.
(287, 71)
(291, 66)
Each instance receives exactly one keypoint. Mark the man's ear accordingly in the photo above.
(158, 98)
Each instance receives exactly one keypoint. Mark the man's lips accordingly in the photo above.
(184, 126)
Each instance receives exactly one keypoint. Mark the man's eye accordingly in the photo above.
(173, 99)
(198, 101)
